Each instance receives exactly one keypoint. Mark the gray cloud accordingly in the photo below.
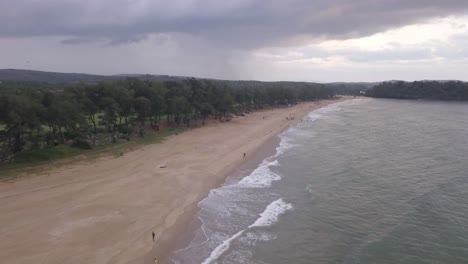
(242, 24)
(222, 39)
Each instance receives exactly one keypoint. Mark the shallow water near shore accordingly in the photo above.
(360, 181)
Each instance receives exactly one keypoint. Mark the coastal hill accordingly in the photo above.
(20, 77)
(65, 78)
(430, 90)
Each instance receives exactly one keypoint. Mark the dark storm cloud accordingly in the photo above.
(236, 24)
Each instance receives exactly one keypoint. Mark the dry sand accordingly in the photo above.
(104, 211)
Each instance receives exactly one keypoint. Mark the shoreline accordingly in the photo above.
(105, 211)
(264, 150)
(268, 149)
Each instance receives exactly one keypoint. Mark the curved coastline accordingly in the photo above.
(254, 173)
(104, 211)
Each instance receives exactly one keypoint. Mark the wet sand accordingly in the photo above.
(104, 211)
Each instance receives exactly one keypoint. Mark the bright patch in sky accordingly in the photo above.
(437, 31)
(441, 41)
(297, 40)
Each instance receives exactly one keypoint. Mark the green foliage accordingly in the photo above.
(142, 107)
(81, 144)
(51, 153)
(156, 138)
(431, 90)
(33, 119)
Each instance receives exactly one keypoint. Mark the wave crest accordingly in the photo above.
(267, 218)
(261, 177)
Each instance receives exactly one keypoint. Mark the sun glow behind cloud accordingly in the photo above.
(439, 30)
(442, 42)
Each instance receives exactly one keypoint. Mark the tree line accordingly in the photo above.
(84, 115)
(431, 90)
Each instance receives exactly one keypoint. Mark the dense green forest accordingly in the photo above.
(35, 116)
(431, 90)
(351, 88)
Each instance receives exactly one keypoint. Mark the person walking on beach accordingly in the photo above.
(244, 154)
(153, 236)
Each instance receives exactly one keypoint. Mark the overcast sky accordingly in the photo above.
(299, 40)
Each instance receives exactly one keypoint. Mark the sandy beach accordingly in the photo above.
(104, 211)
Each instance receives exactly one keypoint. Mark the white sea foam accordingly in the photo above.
(261, 177)
(271, 213)
(313, 116)
(219, 250)
(251, 238)
(267, 218)
(319, 113)
(286, 143)
(236, 202)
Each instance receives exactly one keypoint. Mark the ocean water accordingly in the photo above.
(362, 181)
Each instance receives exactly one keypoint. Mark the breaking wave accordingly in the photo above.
(267, 218)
